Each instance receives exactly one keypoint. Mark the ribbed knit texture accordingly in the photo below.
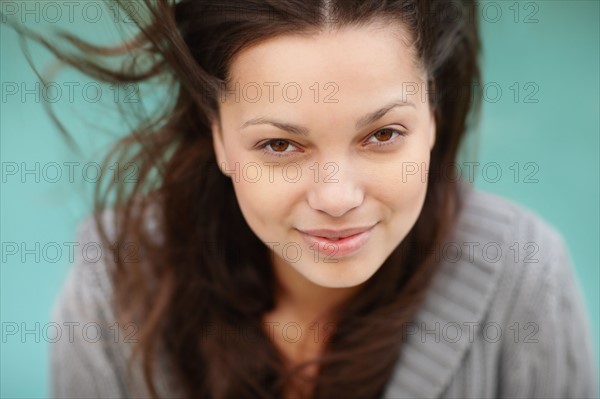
(504, 318)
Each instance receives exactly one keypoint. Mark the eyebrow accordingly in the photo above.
(303, 131)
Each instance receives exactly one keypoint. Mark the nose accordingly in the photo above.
(336, 189)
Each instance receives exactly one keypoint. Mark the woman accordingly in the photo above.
(331, 254)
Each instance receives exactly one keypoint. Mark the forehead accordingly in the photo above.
(373, 50)
(370, 63)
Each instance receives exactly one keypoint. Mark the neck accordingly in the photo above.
(305, 300)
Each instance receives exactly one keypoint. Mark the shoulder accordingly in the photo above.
(496, 217)
(91, 360)
(509, 238)
(98, 241)
(86, 362)
(526, 254)
(86, 289)
(501, 259)
(505, 241)
(505, 303)
(536, 303)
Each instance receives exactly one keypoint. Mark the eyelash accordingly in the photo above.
(263, 146)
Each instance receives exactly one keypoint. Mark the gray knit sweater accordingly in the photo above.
(504, 318)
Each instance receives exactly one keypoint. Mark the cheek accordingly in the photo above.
(403, 183)
(263, 205)
(253, 201)
(265, 199)
(402, 194)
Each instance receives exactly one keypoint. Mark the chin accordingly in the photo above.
(332, 275)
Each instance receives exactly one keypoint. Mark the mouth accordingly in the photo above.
(337, 244)
(335, 235)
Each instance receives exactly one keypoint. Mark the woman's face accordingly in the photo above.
(331, 131)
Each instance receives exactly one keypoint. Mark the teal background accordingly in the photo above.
(558, 55)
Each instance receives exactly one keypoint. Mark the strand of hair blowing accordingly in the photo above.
(203, 279)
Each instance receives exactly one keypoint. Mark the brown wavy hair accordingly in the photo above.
(201, 265)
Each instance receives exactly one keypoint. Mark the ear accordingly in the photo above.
(432, 113)
(432, 130)
(219, 148)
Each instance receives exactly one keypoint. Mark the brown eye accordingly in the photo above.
(278, 148)
(384, 134)
(279, 145)
(385, 137)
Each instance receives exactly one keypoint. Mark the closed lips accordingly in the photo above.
(331, 234)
